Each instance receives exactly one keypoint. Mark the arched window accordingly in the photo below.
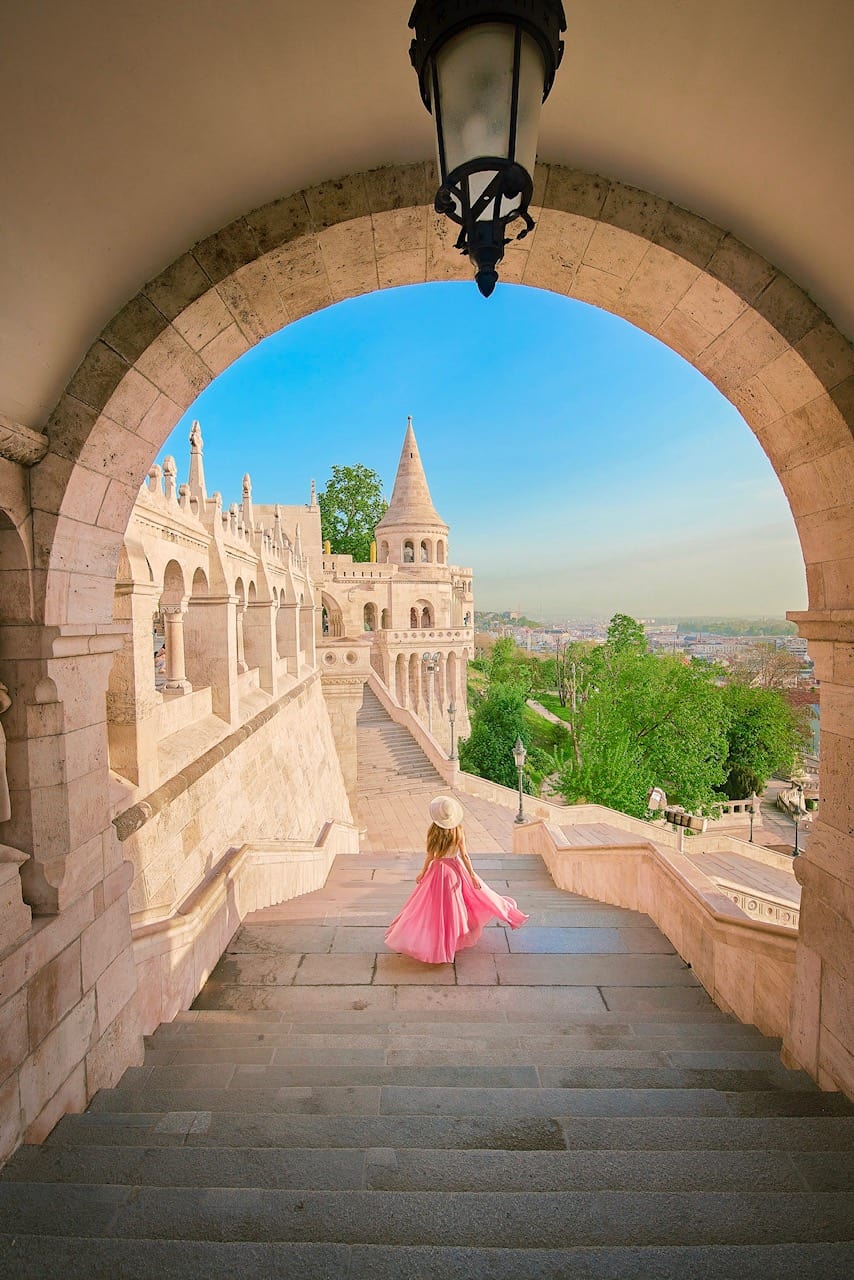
(408, 553)
(426, 616)
(383, 552)
(440, 552)
(413, 619)
(425, 552)
(370, 617)
(385, 620)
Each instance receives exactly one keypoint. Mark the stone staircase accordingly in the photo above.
(563, 1101)
(388, 757)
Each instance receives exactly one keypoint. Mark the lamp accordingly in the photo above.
(520, 755)
(485, 67)
(430, 662)
(452, 718)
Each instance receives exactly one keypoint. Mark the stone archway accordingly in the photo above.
(738, 320)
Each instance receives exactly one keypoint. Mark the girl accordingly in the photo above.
(449, 905)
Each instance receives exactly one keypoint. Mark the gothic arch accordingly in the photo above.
(726, 310)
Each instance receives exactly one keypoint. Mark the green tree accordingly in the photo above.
(765, 736)
(496, 723)
(351, 506)
(645, 720)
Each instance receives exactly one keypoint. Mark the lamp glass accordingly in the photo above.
(474, 71)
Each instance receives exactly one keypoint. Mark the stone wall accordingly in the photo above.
(276, 778)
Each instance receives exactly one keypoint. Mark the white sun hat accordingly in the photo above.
(446, 811)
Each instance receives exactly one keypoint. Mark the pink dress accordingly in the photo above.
(445, 913)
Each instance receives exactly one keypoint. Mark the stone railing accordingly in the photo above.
(746, 966)
(425, 635)
(449, 770)
(175, 955)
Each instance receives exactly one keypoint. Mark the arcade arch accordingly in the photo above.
(726, 310)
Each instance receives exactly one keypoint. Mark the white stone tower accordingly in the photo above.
(411, 531)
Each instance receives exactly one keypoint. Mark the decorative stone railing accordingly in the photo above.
(761, 906)
(746, 965)
(183, 947)
(426, 635)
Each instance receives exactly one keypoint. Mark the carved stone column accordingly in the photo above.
(259, 637)
(176, 670)
(344, 669)
(241, 653)
(210, 631)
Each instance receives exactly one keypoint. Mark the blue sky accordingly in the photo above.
(583, 467)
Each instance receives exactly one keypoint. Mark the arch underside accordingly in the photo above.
(726, 310)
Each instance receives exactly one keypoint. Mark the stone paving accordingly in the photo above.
(562, 1100)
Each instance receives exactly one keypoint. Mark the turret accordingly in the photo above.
(411, 531)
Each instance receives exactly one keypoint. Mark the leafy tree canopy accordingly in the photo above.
(497, 722)
(351, 506)
(765, 736)
(624, 634)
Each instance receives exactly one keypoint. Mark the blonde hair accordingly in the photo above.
(440, 840)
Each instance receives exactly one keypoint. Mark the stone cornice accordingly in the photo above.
(21, 444)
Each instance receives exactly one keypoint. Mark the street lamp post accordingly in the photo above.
(430, 662)
(452, 716)
(752, 812)
(484, 68)
(520, 755)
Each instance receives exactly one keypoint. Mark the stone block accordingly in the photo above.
(791, 381)
(159, 420)
(225, 348)
(742, 351)
(683, 335)
(337, 201)
(839, 583)
(177, 287)
(836, 1065)
(70, 1096)
(826, 535)
(741, 269)
(304, 300)
(106, 938)
(805, 434)
(398, 187)
(279, 221)
(226, 250)
(785, 306)
(69, 427)
(119, 1047)
(691, 237)
(406, 267)
(599, 288)
(399, 230)
(823, 482)
(657, 285)
(97, 377)
(633, 210)
(10, 1117)
(253, 299)
(614, 251)
(115, 988)
(203, 320)
(116, 509)
(575, 191)
(712, 305)
(134, 328)
(47, 1070)
(756, 404)
(828, 354)
(174, 368)
(13, 1033)
(53, 991)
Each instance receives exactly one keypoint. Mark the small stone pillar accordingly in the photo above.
(344, 668)
(176, 670)
(259, 634)
(241, 650)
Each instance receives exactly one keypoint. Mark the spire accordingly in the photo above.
(410, 500)
(248, 511)
(197, 466)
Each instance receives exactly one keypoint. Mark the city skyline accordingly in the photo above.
(583, 467)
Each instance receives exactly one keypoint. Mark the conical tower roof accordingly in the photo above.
(411, 503)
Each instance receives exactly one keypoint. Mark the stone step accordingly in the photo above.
(82, 1258)
(467, 1132)
(513, 1102)
(419, 1169)
(477, 1219)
